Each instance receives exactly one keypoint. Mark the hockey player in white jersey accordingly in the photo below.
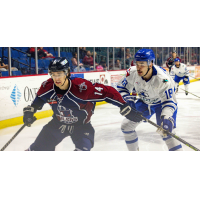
(156, 91)
(178, 72)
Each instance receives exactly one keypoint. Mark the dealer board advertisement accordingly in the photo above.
(18, 92)
(98, 77)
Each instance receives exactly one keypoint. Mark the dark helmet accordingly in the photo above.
(174, 51)
(59, 64)
(145, 55)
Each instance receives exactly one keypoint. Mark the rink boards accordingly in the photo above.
(18, 92)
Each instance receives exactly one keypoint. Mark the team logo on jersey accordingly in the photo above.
(165, 80)
(44, 83)
(124, 82)
(65, 115)
(82, 87)
(143, 93)
(51, 101)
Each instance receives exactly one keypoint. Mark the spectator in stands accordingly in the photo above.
(88, 59)
(103, 63)
(159, 61)
(42, 53)
(92, 54)
(170, 60)
(81, 69)
(48, 55)
(99, 68)
(120, 52)
(117, 64)
(75, 60)
(82, 52)
(128, 52)
(4, 67)
(127, 61)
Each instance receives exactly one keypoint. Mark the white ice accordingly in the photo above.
(108, 135)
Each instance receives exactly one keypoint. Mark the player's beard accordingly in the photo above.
(139, 73)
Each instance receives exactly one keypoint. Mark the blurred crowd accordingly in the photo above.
(104, 58)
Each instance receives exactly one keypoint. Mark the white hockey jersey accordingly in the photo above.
(180, 72)
(160, 89)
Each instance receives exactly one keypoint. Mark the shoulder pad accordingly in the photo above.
(130, 70)
(45, 86)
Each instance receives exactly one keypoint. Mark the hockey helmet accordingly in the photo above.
(176, 60)
(58, 64)
(145, 55)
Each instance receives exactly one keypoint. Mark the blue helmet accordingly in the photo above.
(176, 59)
(145, 55)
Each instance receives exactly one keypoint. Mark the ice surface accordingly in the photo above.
(107, 123)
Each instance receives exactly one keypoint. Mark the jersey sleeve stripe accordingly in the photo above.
(118, 103)
(125, 95)
(168, 102)
(120, 87)
(120, 91)
(46, 92)
(169, 106)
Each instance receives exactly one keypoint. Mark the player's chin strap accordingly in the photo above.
(147, 71)
(64, 82)
(65, 78)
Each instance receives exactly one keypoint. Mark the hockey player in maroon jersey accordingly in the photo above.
(72, 101)
(170, 60)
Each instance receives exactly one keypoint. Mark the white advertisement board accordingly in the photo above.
(17, 93)
(115, 76)
(98, 77)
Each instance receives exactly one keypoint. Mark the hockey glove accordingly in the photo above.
(167, 124)
(131, 113)
(28, 118)
(130, 100)
(186, 78)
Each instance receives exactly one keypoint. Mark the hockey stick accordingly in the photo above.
(189, 92)
(194, 78)
(171, 134)
(13, 137)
